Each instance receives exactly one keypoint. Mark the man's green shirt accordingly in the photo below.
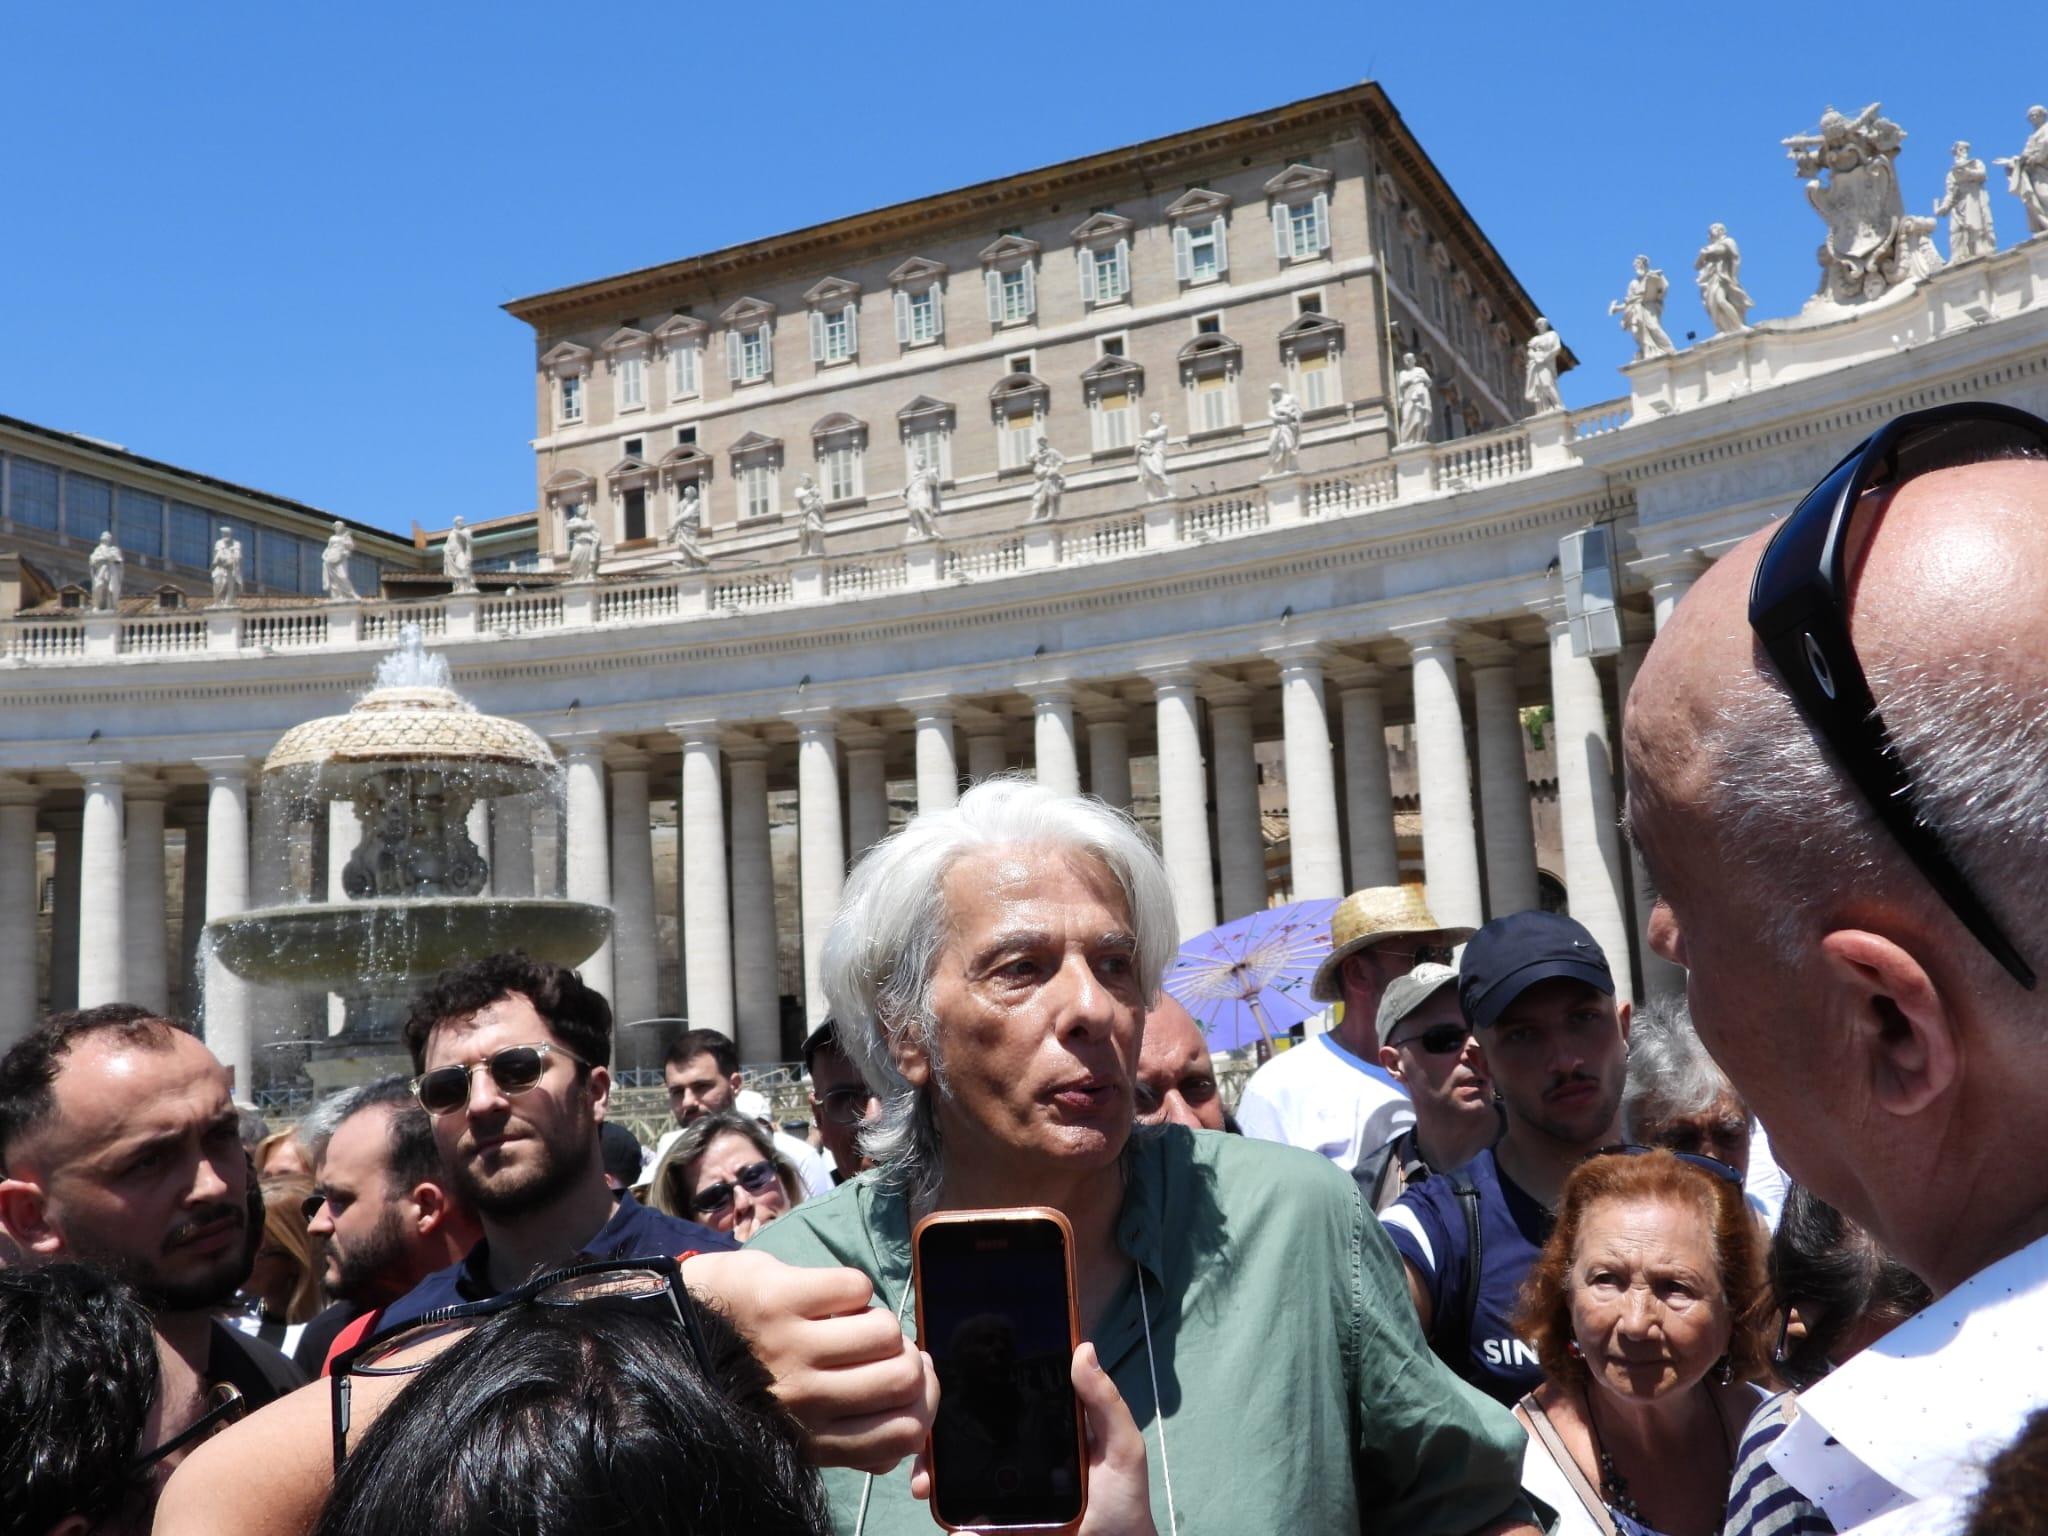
(1295, 1392)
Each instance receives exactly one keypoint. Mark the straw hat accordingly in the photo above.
(1367, 917)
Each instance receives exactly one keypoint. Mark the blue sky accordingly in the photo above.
(269, 242)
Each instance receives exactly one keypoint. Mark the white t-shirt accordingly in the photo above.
(1320, 1097)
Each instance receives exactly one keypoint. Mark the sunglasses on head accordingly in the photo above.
(755, 1179)
(1713, 1165)
(1438, 1039)
(514, 1069)
(1799, 609)
(225, 1405)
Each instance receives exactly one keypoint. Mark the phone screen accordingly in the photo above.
(1005, 1444)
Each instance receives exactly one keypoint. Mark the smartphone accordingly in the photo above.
(997, 1314)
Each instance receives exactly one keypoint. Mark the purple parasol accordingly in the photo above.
(1248, 980)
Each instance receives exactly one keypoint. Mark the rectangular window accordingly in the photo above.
(1209, 325)
(1215, 403)
(1112, 346)
(139, 523)
(1301, 230)
(839, 468)
(1202, 264)
(32, 492)
(757, 491)
(572, 397)
(1308, 304)
(88, 506)
(1016, 295)
(636, 447)
(1436, 296)
(682, 371)
(686, 437)
(930, 445)
(1014, 445)
(310, 552)
(364, 573)
(1105, 272)
(632, 383)
(277, 560)
(633, 513)
(1316, 381)
(753, 349)
(1112, 420)
(924, 315)
(191, 535)
(839, 335)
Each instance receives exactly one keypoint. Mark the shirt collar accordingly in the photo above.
(473, 1280)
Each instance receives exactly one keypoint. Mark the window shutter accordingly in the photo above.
(853, 330)
(994, 281)
(1123, 265)
(732, 355)
(902, 316)
(689, 360)
(938, 293)
(1322, 221)
(1280, 230)
(1221, 226)
(817, 337)
(1086, 258)
(1030, 291)
(1183, 258)
(767, 348)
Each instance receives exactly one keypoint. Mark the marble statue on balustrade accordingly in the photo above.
(1966, 203)
(810, 506)
(1852, 181)
(921, 502)
(1048, 484)
(685, 529)
(1283, 440)
(335, 581)
(1919, 256)
(227, 569)
(585, 546)
(1641, 309)
(1539, 372)
(458, 557)
(2026, 173)
(1152, 460)
(105, 563)
(1415, 402)
(1719, 265)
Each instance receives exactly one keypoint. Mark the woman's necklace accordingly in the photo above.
(1614, 1487)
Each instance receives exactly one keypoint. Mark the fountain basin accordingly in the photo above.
(344, 946)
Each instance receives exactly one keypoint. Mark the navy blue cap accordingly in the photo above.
(1511, 954)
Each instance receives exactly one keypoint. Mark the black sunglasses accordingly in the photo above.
(1799, 609)
(1713, 1165)
(310, 1207)
(412, 1346)
(1421, 954)
(514, 1069)
(844, 1106)
(1438, 1039)
(755, 1179)
(225, 1406)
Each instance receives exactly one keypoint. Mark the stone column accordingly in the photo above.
(227, 893)
(1184, 802)
(822, 846)
(102, 903)
(636, 966)
(344, 836)
(703, 906)
(586, 844)
(1671, 577)
(1240, 839)
(1109, 755)
(1368, 786)
(1661, 979)
(867, 790)
(1585, 802)
(511, 851)
(17, 910)
(64, 830)
(938, 773)
(143, 921)
(1503, 782)
(757, 993)
(193, 901)
(1450, 852)
(988, 749)
(1053, 761)
(270, 858)
(1317, 850)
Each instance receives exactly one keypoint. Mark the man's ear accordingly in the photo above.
(25, 1221)
(1624, 1015)
(911, 1058)
(733, 1082)
(1391, 1060)
(432, 1203)
(600, 1091)
(1906, 1040)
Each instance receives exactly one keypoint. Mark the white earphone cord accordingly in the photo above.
(867, 1487)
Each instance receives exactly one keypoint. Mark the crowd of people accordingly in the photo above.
(1495, 1253)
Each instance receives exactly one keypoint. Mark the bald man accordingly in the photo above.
(1176, 1078)
(1901, 1070)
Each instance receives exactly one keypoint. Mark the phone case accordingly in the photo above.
(1011, 1213)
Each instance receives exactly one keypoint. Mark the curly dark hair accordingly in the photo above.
(78, 1376)
(2014, 1501)
(28, 1072)
(1544, 1314)
(575, 1014)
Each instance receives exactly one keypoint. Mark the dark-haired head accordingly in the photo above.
(581, 1419)
(575, 1014)
(1846, 1289)
(28, 1072)
(78, 1376)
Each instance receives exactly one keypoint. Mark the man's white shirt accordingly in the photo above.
(1321, 1097)
(1896, 1441)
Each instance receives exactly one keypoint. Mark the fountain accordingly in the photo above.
(408, 769)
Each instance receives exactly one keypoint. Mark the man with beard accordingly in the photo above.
(1536, 990)
(121, 1147)
(388, 1213)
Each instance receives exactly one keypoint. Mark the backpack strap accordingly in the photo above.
(1451, 1338)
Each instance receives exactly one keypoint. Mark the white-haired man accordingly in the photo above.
(989, 968)
(1838, 776)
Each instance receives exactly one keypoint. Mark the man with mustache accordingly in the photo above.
(1537, 993)
(120, 1147)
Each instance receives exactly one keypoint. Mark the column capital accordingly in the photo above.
(578, 744)
(19, 792)
(858, 737)
(627, 760)
(1173, 677)
(817, 722)
(1484, 651)
(937, 706)
(1052, 690)
(102, 774)
(743, 747)
(1674, 566)
(1349, 675)
(1430, 635)
(223, 770)
(697, 732)
(1223, 692)
(1103, 709)
(1551, 610)
(1298, 656)
(147, 787)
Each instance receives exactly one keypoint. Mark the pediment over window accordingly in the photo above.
(1299, 181)
(1009, 248)
(1389, 193)
(1112, 372)
(1485, 308)
(1102, 226)
(748, 311)
(924, 411)
(755, 444)
(1312, 333)
(832, 290)
(630, 471)
(566, 358)
(683, 461)
(1018, 386)
(563, 481)
(838, 424)
(1199, 203)
(919, 269)
(1412, 222)
(1213, 347)
(625, 341)
(1440, 255)
(679, 328)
